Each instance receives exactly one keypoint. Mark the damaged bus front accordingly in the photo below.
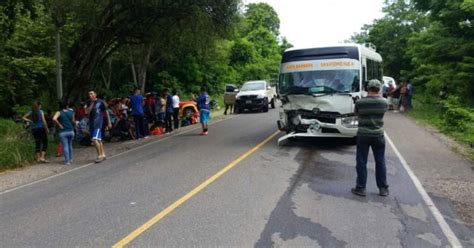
(318, 88)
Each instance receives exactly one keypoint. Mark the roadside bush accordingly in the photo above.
(456, 118)
(16, 146)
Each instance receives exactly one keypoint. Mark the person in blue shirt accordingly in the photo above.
(169, 110)
(203, 102)
(96, 110)
(40, 131)
(136, 102)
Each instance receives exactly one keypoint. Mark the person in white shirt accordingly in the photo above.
(175, 109)
(124, 108)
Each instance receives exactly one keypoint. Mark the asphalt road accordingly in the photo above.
(295, 195)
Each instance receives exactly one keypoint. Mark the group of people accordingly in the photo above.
(134, 117)
(399, 96)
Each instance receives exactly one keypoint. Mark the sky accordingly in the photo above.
(307, 23)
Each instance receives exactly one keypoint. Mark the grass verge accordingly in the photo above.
(17, 145)
(433, 115)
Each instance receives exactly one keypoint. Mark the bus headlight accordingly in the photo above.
(350, 122)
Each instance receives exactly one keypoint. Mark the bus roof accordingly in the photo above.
(323, 46)
(342, 50)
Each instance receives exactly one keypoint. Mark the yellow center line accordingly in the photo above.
(186, 197)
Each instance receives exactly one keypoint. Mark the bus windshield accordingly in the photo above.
(325, 76)
(315, 82)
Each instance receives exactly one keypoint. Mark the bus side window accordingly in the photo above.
(381, 71)
(364, 77)
(370, 69)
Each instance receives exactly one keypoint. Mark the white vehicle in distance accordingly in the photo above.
(318, 88)
(387, 79)
(255, 95)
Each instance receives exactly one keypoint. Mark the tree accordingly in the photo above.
(262, 15)
(390, 34)
(109, 25)
(284, 44)
(430, 41)
(113, 46)
(443, 52)
(26, 63)
(11, 10)
(256, 55)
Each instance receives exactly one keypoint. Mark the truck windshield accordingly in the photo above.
(253, 86)
(319, 81)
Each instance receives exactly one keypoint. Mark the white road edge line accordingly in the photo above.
(116, 155)
(453, 240)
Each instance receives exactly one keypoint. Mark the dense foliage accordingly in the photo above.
(114, 46)
(431, 42)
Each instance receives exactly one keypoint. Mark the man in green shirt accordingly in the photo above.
(370, 111)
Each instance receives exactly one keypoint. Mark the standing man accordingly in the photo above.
(229, 98)
(175, 109)
(160, 110)
(136, 102)
(390, 91)
(409, 94)
(371, 110)
(96, 110)
(203, 102)
(169, 111)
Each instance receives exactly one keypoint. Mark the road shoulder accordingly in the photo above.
(447, 176)
(83, 156)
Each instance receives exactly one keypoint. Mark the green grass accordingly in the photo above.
(17, 145)
(432, 115)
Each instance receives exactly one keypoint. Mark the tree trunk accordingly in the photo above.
(92, 47)
(107, 80)
(143, 67)
(132, 64)
(59, 78)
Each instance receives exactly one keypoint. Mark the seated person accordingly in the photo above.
(82, 132)
(305, 80)
(338, 86)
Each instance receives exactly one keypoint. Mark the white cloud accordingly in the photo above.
(315, 22)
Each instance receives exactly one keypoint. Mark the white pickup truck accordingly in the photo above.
(255, 95)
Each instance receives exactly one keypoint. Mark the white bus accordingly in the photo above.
(318, 88)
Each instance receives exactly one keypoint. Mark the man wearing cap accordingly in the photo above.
(370, 111)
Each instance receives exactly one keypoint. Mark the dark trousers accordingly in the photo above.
(160, 119)
(139, 126)
(227, 106)
(378, 149)
(41, 139)
(169, 122)
(176, 118)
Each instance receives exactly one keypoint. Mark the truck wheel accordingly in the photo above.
(273, 103)
(265, 108)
